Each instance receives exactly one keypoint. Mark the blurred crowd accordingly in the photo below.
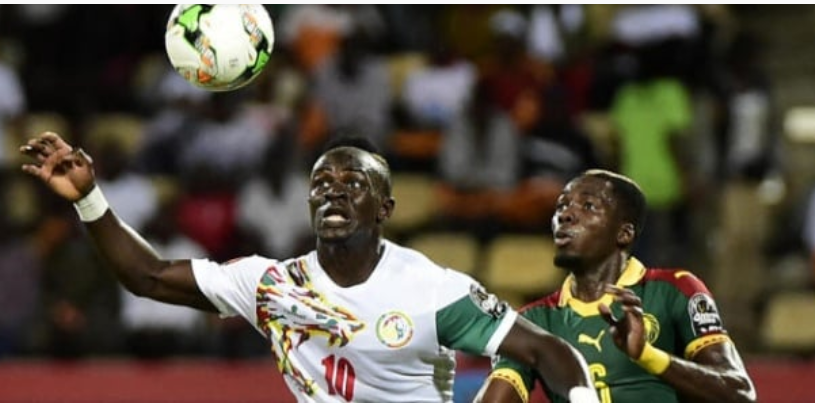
(498, 105)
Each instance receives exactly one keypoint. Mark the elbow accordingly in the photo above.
(748, 395)
(746, 390)
(743, 392)
(743, 396)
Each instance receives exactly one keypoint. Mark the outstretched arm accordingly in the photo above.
(69, 173)
(716, 374)
(561, 366)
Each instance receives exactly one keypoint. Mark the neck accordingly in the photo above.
(349, 263)
(588, 284)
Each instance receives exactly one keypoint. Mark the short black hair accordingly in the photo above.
(360, 142)
(363, 143)
(631, 201)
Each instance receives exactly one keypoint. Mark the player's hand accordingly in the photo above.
(628, 332)
(66, 170)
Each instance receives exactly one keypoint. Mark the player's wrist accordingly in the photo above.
(653, 360)
(583, 394)
(92, 206)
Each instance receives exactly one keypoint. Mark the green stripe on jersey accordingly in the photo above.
(464, 326)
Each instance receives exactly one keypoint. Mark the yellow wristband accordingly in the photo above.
(654, 360)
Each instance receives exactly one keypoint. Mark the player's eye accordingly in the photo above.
(318, 184)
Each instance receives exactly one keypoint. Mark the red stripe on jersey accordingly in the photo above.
(684, 280)
(549, 301)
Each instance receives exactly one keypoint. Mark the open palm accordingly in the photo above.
(66, 170)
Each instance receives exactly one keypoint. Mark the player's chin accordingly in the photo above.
(327, 234)
(566, 260)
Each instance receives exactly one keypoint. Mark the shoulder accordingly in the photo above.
(410, 259)
(682, 280)
(411, 268)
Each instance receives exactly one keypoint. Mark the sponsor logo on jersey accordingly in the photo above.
(592, 341)
(651, 327)
(488, 303)
(704, 316)
(394, 329)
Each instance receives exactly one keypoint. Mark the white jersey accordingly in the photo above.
(390, 338)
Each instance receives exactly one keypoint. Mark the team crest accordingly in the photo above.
(651, 327)
(394, 329)
(488, 303)
(704, 316)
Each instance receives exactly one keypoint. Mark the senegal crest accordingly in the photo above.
(394, 329)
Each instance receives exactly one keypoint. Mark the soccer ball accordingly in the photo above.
(219, 47)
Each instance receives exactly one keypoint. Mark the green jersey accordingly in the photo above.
(680, 318)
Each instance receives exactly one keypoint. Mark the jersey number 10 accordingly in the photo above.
(340, 377)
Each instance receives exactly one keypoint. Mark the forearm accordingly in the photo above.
(701, 383)
(562, 366)
(718, 376)
(135, 263)
(131, 258)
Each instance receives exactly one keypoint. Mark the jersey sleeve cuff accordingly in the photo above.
(513, 378)
(204, 276)
(501, 332)
(699, 344)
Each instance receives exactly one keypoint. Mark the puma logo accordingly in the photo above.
(594, 341)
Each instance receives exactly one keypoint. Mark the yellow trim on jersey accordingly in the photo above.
(514, 379)
(632, 274)
(697, 345)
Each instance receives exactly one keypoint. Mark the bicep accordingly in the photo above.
(176, 284)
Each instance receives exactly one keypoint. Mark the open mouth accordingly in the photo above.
(335, 217)
(562, 238)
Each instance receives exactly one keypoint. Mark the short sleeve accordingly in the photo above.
(231, 286)
(696, 315)
(469, 318)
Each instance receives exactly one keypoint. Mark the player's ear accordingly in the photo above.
(626, 234)
(385, 209)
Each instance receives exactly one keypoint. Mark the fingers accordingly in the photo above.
(623, 295)
(32, 169)
(630, 303)
(55, 141)
(82, 158)
(44, 145)
(56, 160)
(606, 314)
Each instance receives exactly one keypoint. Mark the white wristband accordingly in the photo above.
(93, 206)
(583, 394)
